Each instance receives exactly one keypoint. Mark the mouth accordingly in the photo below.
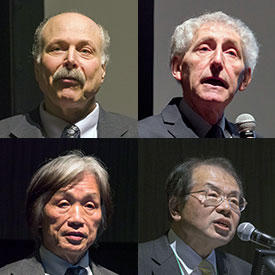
(223, 224)
(215, 81)
(68, 80)
(75, 236)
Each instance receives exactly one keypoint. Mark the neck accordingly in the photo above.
(71, 114)
(210, 112)
(195, 242)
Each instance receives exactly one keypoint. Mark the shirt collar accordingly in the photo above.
(54, 126)
(56, 265)
(189, 257)
(199, 125)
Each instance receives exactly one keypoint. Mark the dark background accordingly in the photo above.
(19, 159)
(18, 89)
(253, 159)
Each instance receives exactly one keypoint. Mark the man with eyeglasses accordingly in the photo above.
(205, 200)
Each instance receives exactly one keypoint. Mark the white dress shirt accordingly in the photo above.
(187, 257)
(54, 265)
(54, 126)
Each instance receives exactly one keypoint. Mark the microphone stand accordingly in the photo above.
(264, 262)
(269, 262)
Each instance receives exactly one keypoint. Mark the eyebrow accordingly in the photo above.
(82, 42)
(215, 188)
(93, 195)
(208, 38)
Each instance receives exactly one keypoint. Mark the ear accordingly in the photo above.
(103, 66)
(176, 67)
(36, 70)
(174, 210)
(246, 79)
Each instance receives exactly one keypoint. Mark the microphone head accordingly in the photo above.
(245, 123)
(245, 230)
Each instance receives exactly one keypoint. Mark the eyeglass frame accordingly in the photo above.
(222, 198)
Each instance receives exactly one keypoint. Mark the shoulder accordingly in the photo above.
(22, 267)
(151, 127)
(235, 264)
(22, 126)
(112, 125)
(10, 123)
(98, 269)
(156, 244)
(159, 126)
(119, 118)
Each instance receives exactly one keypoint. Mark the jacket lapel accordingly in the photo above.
(29, 127)
(232, 129)
(164, 258)
(111, 125)
(174, 122)
(222, 264)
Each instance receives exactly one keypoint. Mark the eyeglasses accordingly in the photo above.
(215, 198)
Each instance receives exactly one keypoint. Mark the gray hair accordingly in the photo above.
(61, 172)
(183, 35)
(179, 183)
(37, 46)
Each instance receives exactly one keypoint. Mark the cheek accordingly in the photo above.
(52, 222)
(95, 221)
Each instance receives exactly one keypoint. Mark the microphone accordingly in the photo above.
(246, 125)
(247, 232)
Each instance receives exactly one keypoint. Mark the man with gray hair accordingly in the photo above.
(212, 57)
(205, 201)
(70, 53)
(68, 206)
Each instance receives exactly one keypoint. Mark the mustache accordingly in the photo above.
(76, 74)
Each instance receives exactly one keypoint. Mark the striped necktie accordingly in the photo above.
(76, 270)
(71, 131)
(206, 268)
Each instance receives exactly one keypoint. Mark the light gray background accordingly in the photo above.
(119, 92)
(259, 97)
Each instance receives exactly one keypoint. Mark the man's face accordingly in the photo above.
(213, 69)
(72, 43)
(71, 219)
(208, 227)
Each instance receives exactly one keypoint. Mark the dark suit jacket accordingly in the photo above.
(110, 125)
(157, 258)
(170, 123)
(32, 266)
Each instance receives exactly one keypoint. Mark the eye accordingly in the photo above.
(63, 204)
(90, 205)
(234, 201)
(232, 52)
(204, 49)
(86, 51)
(213, 194)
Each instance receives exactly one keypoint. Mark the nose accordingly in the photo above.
(224, 208)
(217, 62)
(70, 61)
(76, 216)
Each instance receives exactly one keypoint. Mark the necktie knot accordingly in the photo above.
(206, 268)
(76, 270)
(71, 131)
(215, 132)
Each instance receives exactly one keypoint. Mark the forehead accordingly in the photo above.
(87, 183)
(71, 26)
(207, 174)
(217, 31)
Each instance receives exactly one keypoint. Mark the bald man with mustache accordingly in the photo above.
(70, 53)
